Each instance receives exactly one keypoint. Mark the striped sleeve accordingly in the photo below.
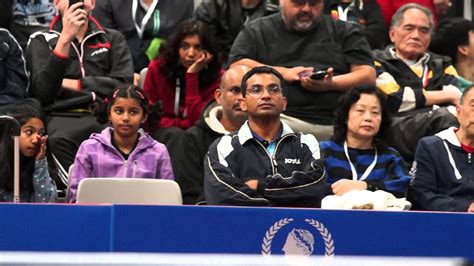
(399, 99)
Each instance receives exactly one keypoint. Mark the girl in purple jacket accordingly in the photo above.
(123, 150)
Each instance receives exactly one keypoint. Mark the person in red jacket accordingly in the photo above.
(183, 79)
(437, 7)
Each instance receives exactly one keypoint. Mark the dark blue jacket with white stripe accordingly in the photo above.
(292, 176)
(443, 174)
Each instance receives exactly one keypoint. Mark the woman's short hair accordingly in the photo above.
(342, 115)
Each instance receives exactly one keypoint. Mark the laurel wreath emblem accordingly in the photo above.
(325, 234)
(270, 234)
(273, 230)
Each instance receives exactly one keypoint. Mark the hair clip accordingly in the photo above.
(115, 94)
(141, 95)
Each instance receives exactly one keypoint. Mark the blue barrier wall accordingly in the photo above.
(194, 229)
(54, 227)
(243, 230)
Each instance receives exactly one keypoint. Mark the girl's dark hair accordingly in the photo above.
(124, 91)
(169, 53)
(342, 114)
(22, 113)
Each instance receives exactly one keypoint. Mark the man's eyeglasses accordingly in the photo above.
(257, 91)
(303, 2)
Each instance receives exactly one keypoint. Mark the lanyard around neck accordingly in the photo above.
(141, 28)
(177, 97)
(353, 170)
(425, 76)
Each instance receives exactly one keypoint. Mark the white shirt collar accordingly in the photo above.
(422, 60)
(245, 133)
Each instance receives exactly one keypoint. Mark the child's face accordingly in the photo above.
(31, 132)
(126, 115)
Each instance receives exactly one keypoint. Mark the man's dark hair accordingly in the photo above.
(450, 34)
(259, 70)
(342, 114)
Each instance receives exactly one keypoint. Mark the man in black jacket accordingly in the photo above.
(221, 116)
(13, 76)
(71, 65)
(265, 163)
(415, 80)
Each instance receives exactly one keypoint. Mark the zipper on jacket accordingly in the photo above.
(275, 151)
(81, 65)
(81, 56)
(134, 168)
(125, 166)
(275, 163)
(272, 158)
(268, 154)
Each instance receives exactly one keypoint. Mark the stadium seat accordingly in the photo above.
(143, 73)
(69, 172)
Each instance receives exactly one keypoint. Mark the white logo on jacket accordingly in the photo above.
(101, 50)
(292, 161)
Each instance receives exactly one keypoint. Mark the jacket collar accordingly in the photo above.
(449, 135)
(390, 54)
(213, 120)
(105, 137)
(245, 133)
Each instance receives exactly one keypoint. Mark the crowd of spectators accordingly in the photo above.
(243, 102)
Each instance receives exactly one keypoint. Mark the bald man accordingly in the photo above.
(221, 116)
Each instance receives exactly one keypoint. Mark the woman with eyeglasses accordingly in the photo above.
(357, 156)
